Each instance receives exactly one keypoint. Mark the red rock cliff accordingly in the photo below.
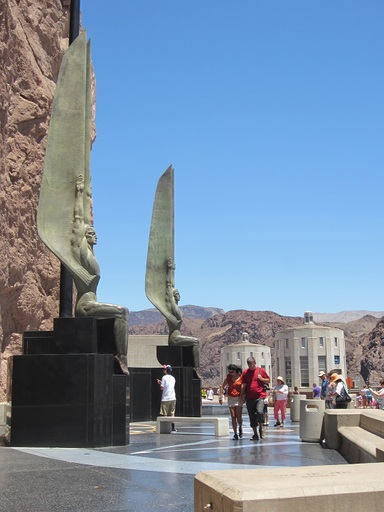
(33, 38)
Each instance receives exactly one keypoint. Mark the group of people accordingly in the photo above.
(334, 391)
(252, 387)
(369, 397)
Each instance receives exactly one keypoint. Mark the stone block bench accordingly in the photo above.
(291, 489)
(164, 423)
(357, 434)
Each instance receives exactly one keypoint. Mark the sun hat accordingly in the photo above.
(335, 377)
(321, 374)
(281, 379)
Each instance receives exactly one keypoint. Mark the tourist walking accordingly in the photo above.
(168, 397)
(280, 392)
(254, 382)
(232, 383)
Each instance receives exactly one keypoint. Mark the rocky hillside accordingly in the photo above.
(152, 316)
(33, 38)
(364, 338)
(372, 357)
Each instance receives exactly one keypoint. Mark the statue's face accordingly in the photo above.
(90, 235)
(176, 295)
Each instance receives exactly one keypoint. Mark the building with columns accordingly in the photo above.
(238, 353)
(304, 351)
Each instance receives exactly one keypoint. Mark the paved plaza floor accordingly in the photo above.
(155, 472)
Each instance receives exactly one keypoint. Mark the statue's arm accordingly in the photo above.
(172, 308)
(78, 217)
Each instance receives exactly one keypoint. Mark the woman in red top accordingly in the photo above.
(233, 383)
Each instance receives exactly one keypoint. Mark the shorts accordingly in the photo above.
(168, 408)
(234, 401)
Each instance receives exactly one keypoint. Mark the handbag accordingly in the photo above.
(343, 398)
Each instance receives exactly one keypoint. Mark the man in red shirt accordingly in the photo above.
(253, 381)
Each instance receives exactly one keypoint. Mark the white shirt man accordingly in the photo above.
(168, 398)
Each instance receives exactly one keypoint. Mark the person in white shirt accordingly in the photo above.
(168, 398)
(280, 392)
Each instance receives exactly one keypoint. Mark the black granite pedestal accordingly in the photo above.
(67, 389)
(146, 392)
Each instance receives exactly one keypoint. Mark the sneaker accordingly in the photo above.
(255, 437)
(262, 434)
(277, 423)
(281, 424)
(235, 437)
(240, 432)
(267, 424)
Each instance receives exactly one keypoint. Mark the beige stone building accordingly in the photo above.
(238, 353)
(304, 351)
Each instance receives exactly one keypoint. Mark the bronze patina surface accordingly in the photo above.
(160, 273)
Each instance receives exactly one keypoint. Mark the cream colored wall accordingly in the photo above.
(142, 350)
(239, 353)
(312, 350)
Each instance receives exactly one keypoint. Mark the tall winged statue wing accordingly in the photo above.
(67, 157)
(161, 245)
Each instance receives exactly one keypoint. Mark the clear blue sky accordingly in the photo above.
(272, 114)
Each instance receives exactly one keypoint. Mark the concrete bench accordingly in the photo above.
(291, 489)
(359, 445)
(164, 423)
(357, 434)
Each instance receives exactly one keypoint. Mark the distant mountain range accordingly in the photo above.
(363, 331)
(152, 316)
(345, 316)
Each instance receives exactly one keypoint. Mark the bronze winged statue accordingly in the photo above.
(64, 217)
(160, 272)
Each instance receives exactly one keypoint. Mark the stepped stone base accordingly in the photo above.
(67, 389)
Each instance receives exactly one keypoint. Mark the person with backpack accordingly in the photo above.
(253, 388)
(340, 392)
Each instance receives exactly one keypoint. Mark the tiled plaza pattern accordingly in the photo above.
(154, 473)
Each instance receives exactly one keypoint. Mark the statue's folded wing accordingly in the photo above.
(161, 246)
(67, 157)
